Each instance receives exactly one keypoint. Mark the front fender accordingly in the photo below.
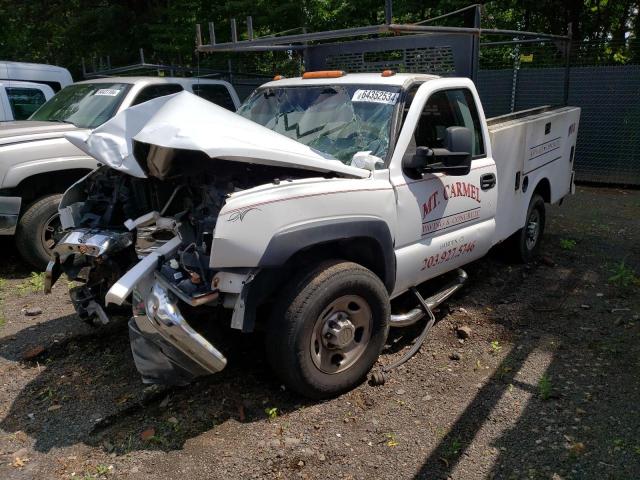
(23, 171)
(286, 243)
(262, 227)
(24, 160)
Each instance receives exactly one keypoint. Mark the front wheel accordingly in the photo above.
(328, 328)
(526, 241)
(38, 230)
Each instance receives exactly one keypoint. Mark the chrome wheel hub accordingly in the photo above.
(341, 334)
(338, 332)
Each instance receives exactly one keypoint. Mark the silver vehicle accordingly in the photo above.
(37, 163)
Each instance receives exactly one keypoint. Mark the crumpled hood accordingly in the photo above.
(185, 121)
(26, 130)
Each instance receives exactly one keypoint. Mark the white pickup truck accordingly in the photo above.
(304, 215)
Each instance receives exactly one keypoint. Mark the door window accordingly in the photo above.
(24, 101)
(447, 108)
(154, 91)
(215, 93)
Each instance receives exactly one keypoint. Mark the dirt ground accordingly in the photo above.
(546, 386)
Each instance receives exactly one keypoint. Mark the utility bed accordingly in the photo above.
(523, 143)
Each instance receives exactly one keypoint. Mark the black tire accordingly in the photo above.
(34, 227)
(526, 242)
(295, 320)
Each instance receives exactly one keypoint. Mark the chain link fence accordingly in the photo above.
(601, 81)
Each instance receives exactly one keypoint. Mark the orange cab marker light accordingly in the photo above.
(388, 73)
(323, 74)
(278, 77)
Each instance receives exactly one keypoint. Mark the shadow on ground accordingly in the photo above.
(581, 420)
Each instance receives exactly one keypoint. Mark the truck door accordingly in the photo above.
(444, 221)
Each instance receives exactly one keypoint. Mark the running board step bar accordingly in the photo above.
(412, 316)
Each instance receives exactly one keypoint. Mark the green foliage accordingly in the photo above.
(102, 469)
(623, 276)
(272, 413)
(567, 243)
(452, 449)
(64, 32)
(391, 439)
(34, 284)
(545, 387)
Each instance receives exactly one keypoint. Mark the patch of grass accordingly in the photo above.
(3, 283)
(392, 440)
(567, 244)
(504, 371)
(34, 284)
(272, 413)
(495, 347)
(102, 469)
(545, 387)
(452, 449)
(623, 276)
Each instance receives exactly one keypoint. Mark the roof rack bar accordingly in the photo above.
(272, 42)
(518, 33)
(234, 31)
(250, 27)
(299, 38)
(212, 34)
(516, 42)
(198, 36)
(388, 12)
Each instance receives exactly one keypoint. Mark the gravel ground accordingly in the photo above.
(546, 385)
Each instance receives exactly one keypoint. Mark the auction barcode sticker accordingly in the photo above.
(375, 96)
(108, 92)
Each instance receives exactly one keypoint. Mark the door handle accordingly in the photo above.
(487, 181)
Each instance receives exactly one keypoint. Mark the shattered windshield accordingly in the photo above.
(339, 120)
(86, 105)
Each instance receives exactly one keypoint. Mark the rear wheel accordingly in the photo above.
(328, 328)
(38, 230)
(526, 241)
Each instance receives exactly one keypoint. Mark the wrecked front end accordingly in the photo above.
(144, 245)
(139, 231)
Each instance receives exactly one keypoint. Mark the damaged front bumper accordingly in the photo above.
(166, 349)
(88, 244)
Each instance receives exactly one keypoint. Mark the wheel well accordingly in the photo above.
(365, 251)
(544, 190)
(362, 250)
(36, 186)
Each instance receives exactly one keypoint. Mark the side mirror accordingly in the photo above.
(454, 159)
